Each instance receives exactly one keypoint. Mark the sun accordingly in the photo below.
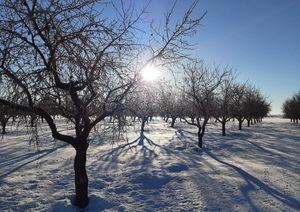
(150, 73)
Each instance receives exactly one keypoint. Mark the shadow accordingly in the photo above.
(142, 141)
(41, 154)
(253, 182)
(152, 181)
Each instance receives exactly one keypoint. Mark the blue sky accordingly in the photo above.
(260, 39)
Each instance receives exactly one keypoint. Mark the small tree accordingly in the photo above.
(142, 103)
(171, 103)
(291, 108)
(237, 107)
(224, 101)
(201, 83)
(255, 105)
(6, 112)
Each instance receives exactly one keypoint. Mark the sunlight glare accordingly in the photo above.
(150, 73)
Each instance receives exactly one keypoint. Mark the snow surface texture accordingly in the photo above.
(161, 170)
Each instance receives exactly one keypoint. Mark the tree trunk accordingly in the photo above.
(200, 141)
(81, 179)
(33, 120)
(248, 122)
(173, 122)
(223, 128)
(193, 120)
(240, 125)
(3, 123)
(144, 119)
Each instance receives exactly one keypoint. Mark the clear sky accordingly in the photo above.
(258, 38)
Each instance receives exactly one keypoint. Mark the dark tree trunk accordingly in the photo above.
(3, 123)
(248, 122)
(240, 125)
(223, 128)
(193, 120)
(32, 120)
(201, 130)
(81, 179)
(144, 119)
(173, 122)
(200, 141)
(297, 121)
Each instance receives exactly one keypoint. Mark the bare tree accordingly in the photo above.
(237, 107)
(201, 83)
(142, 103)
(6, 112)
(255, 105)
(84, 62)
(291, 108)
(224, 101)
(5, 115)
(171, 102)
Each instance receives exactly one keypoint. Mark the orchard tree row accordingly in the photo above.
(204, 93)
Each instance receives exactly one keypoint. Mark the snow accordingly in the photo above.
(256, 169)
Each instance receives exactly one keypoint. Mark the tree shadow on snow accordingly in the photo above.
(253, 183)
(23, 160)
(142, 142)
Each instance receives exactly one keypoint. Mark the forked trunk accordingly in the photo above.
(81, 179)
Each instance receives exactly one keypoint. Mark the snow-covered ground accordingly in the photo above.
(257, 169)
